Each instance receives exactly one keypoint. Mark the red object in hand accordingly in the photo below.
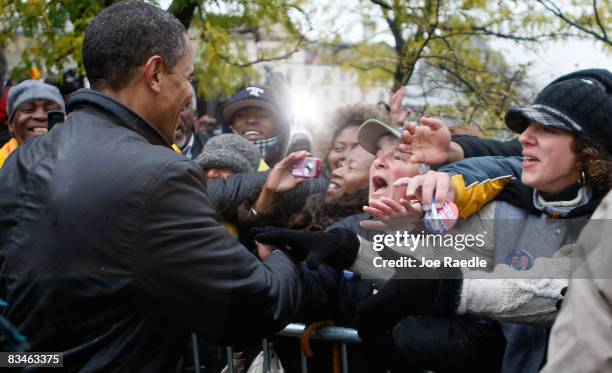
(440, 221)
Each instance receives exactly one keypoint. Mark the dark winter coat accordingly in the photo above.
(110, 252)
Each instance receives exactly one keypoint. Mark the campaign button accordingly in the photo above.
(520, 260)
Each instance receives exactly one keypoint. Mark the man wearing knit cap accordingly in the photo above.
(228, 154)
(27, 106)
(254, 114)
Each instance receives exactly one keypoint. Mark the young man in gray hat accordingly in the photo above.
(27, 106)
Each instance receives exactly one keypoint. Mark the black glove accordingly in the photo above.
(412, 291)
(337, 247)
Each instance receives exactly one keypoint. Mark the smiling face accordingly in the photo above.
(549, 163)
(390, 164)
(352, 175)
(254, 123)
(30, 119)
(342, 145)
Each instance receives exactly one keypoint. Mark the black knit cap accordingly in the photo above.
(579, 102)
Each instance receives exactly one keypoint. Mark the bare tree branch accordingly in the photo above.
(553, 8)
(382, 4)
(259, 59)
(598, 20)
(486, 31)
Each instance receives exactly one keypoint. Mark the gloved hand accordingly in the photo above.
(337, 247)
(412, 291)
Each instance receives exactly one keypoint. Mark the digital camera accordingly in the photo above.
(307, 167)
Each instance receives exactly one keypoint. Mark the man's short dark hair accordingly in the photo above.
(124, 36)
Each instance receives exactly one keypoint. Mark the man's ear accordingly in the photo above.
(153, 69)
(11, 127)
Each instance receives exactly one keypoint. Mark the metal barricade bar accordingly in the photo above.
(328, 333)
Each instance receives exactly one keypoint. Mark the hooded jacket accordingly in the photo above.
(110, 252)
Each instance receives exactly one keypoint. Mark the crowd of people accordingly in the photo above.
(128, 221)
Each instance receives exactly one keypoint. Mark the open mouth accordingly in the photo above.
(252, 135)
(333, 186)
(529, 160)
(38, 130)
(378, 183)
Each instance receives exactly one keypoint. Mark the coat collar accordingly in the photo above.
(125, 116)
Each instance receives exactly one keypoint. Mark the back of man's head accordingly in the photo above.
(124, 36)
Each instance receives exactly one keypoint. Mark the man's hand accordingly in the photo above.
(337, 247)
(429, 143)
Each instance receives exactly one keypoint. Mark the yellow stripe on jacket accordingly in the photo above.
(471, 199)
(7, 149)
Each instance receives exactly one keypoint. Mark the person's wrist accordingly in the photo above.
(455, 152)
(267, 188)
(265, 201)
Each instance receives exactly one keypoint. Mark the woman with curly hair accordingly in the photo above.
(265, 206)
(344, 123)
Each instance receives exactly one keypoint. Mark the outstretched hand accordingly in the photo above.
(395, 106)
(424, 187)
(429, 143)
(337, 247)
(396, 216)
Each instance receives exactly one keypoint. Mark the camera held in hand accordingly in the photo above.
(307, 167)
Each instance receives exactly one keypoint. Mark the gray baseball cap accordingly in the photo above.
(32, 90)
(371, 130)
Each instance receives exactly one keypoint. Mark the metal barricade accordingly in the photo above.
(327, 333)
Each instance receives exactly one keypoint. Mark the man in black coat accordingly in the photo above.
(109, 248)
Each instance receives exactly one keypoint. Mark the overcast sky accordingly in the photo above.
(558, 58)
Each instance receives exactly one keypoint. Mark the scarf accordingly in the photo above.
(562, 208)
(268, 148)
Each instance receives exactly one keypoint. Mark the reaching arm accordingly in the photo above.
(187, 262)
